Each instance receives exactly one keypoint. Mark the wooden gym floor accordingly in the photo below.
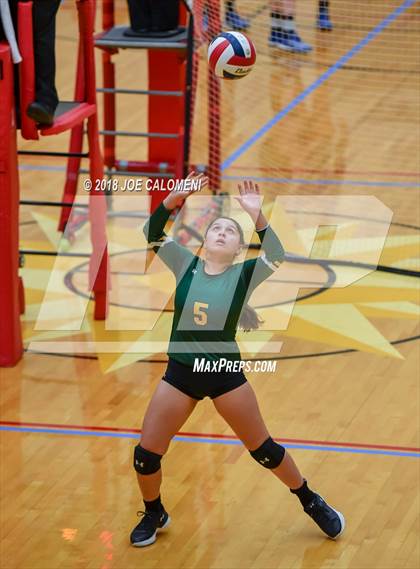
(345, 394)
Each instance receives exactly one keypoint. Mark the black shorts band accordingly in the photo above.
(201, 384)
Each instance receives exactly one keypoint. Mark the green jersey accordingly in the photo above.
(207, 307)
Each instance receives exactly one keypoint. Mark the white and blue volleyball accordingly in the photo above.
(231, 55)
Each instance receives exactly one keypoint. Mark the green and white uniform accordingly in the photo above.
(208, 307)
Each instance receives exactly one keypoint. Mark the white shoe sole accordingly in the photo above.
(280, 46)
(152, 538)
(343, 523)
(287, 48)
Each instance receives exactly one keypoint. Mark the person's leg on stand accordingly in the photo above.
(46, 99)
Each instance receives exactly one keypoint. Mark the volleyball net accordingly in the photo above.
(298, 106)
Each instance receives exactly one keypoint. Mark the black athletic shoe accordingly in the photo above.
(329, 520)
(40, 113)
(145, 532)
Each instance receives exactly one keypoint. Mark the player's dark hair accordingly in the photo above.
(238, 227)
(249, 319)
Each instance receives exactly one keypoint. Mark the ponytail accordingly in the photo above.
(249, 319)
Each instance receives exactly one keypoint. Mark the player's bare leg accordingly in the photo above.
(168, 410)
(240, 410)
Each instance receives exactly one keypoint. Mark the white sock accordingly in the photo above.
(288, 25)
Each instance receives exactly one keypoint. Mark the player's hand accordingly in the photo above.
(250, 198)
(177, 197)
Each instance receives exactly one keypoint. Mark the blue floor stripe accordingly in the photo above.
(187, 439)
(325, 182)
(52, 431)
(337, 65)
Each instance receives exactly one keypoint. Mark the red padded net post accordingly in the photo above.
(10, 335)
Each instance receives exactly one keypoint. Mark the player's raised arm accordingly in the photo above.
(251, 200)
(172, 254)
(177, 197)
(154, 228)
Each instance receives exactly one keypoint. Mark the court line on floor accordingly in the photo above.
(323, 171)
(78, 430)
(318, 82)
(46, 167)
(310, 182)
(324, 182)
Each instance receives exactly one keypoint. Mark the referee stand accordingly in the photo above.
(72, 116)
(170, 61)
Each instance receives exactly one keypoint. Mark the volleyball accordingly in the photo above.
(231, 55)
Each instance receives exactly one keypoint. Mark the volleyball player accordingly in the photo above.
(210, 294)
(283, 30)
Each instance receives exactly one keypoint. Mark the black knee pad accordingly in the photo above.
(146, 461)
(269, 454)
